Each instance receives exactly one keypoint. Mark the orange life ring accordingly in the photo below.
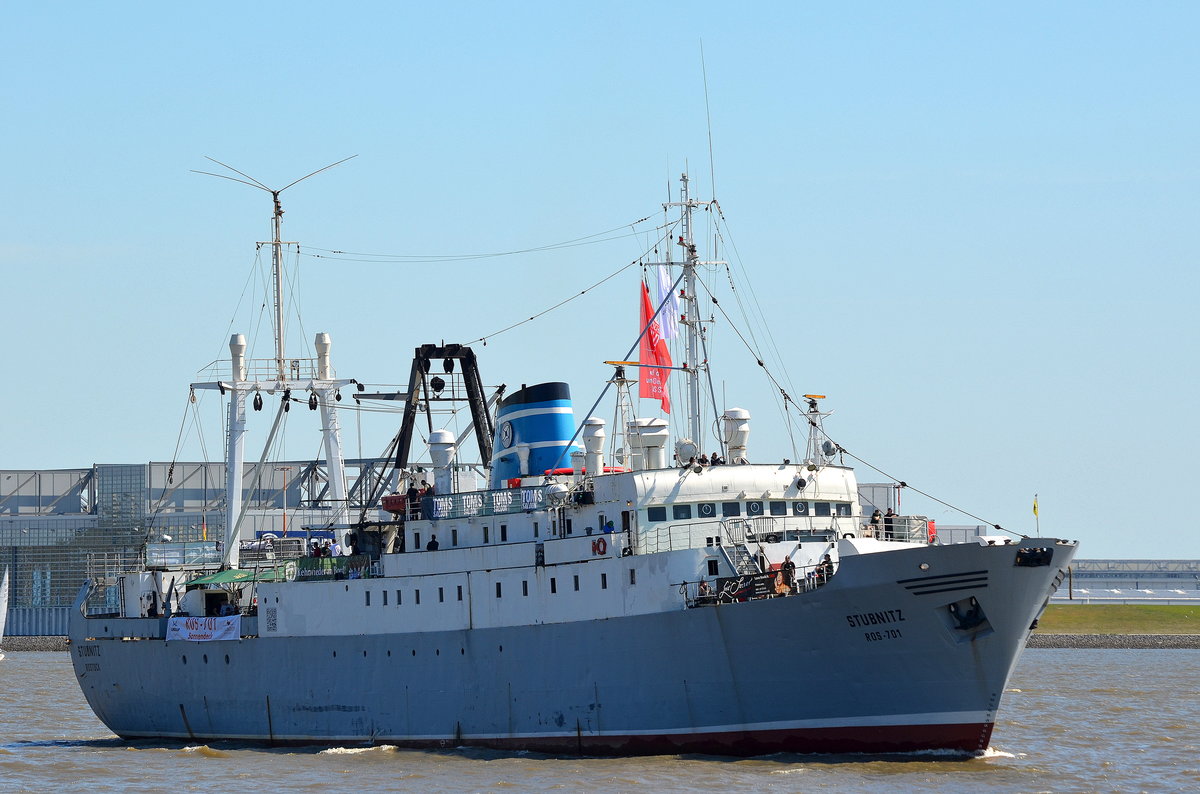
(599, 547)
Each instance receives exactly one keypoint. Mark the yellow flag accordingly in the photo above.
(1035, 506)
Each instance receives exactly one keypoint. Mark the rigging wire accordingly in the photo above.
(770, 376)
(722, 223)
(903, 484)
(636, 343)
(561, 303)
(712, 170)
(360, 256)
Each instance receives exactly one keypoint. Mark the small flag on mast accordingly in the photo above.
(1035, 512)
(669, 316)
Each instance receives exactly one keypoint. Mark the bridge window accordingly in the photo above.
(713, 570)
(503, 533)
(460, 592)
(497, 589)
(729, 509)
(842, 509)
(485, 534)
(778, 508)
(799, 508)
(681, 512)
(524, 587)
(454, 537)
(823, 508)
(603, 581)
(706, 510)
(368, 594)
(633, 576)
(385, 597)
(656, 513)
(441, 594)
(576, 582)
(553, 585)
(754, 508)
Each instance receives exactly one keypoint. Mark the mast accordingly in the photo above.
(315, 377)
(692, 328)
(691, 320)
(277, 277)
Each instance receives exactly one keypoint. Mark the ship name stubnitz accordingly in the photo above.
(875, 618)
(87, 650)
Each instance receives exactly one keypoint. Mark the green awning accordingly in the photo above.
(235, 575)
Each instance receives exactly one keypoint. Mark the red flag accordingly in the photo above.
(653, 350)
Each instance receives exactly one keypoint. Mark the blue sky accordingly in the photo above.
(972, 225)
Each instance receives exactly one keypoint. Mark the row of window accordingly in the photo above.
(399, 601)
(752, 508)
(486, 535)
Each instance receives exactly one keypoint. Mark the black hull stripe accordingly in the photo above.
(933, 579)
(916, 588)
(950, 589)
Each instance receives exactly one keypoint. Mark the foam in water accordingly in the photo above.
(383, 748)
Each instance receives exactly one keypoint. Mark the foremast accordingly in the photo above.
(285, 377)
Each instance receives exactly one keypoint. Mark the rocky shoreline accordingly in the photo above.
(14, 644)
(1137, 641)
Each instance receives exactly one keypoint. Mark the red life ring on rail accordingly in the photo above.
(599, 547)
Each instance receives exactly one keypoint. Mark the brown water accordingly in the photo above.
(1072, 720)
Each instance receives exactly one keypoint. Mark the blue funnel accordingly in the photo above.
(541, 417)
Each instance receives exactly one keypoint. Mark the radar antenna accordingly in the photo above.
(276, 243)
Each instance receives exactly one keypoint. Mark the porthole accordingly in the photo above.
(226, 658)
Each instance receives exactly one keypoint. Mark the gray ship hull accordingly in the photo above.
(887, 657)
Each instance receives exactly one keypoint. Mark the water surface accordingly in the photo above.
(1071, 720)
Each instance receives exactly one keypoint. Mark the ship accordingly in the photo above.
(577, 597)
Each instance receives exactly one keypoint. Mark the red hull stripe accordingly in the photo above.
(964, 738)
